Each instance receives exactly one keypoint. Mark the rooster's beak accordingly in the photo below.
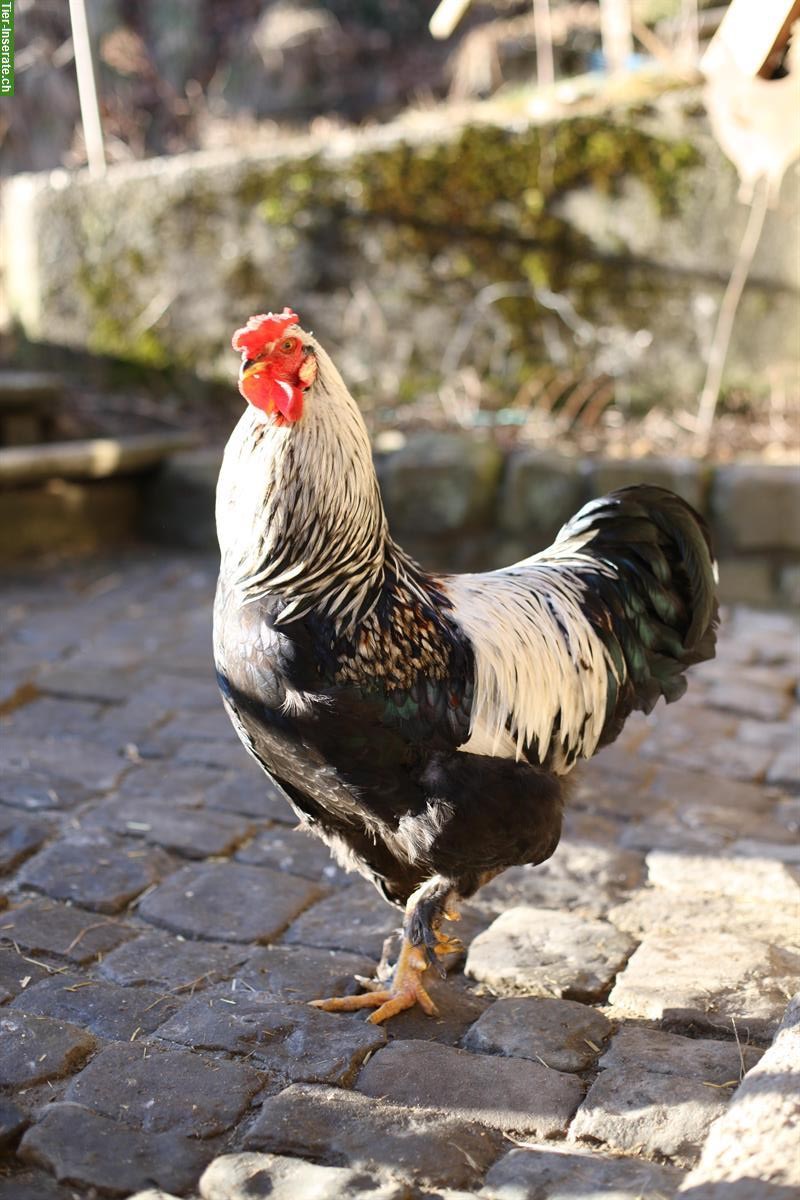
(252, 370)
(254, 386)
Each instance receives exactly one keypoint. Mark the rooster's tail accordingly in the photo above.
(657, 607)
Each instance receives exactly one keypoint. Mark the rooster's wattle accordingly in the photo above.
(421, 724)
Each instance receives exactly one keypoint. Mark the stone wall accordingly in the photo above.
(400, 243)
(460, 504)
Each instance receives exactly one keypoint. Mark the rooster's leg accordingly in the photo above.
(421, 941)
(404, 991)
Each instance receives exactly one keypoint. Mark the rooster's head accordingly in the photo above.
(278, 364)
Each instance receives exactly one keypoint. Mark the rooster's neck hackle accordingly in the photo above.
(299, 512)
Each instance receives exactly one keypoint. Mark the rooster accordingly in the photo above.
(423, 725)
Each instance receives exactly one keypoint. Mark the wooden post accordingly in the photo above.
(752, 35)
(690, 33)
(543, 30)
(87, 88)
(446, 17)
(615, 31)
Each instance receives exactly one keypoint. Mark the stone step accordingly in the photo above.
(91, 458)
(29, 389)
(78, 496)
(27, 402)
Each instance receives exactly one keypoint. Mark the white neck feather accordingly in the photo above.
(299, 512)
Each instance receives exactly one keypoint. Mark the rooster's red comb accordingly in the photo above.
(261, 330)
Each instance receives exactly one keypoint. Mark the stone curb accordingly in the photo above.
(492, 509)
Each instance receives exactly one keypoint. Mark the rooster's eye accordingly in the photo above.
(288, 345)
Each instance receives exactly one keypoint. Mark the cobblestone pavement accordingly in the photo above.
(162, 925)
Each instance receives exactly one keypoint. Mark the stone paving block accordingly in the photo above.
(12, 1122)
(561, 1034)
(191, 831)
(169, 962)
(127, 728)
(294, 851)
(630, 1109)
(328, 1124)
(701, 792)
(252, 793)
(119, 872)
(225, 753)
(581, 823)
(91, 1151)
(20, 836)
(35, 1049)
(17, 972)
(554, 1172)
(705, 819)
(154, 1194)
(188, 785)
(787, 815)
(503, 1093)
(229, 901)
(728, 979)
(668, 831)
(784, 770)
(37, 791)
(211, 724)
(455, 1194)
(711, 746)
(751, 1151)
(49, 927)
(33, 1185)
(245, 1176)
(545, 953)
(753, 638)
(702, 828)
(83, 682)
(758, 876)
(167, 692)
(618, 768)
(578, 876)
(718, 1063)
(105, 1009)
(358, 920)
(292, 1042)
(78, 759)
(303, 972)
(749, 700)
(651, 911)
(166, 1090)
(778, 736)
(782, 851)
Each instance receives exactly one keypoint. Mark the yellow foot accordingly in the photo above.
(404, 991)
(446, 945)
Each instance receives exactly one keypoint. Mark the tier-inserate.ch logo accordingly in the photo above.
(6, 48)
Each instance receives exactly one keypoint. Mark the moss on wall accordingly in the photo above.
(156, 265)
(453, 197)
(491, 179)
